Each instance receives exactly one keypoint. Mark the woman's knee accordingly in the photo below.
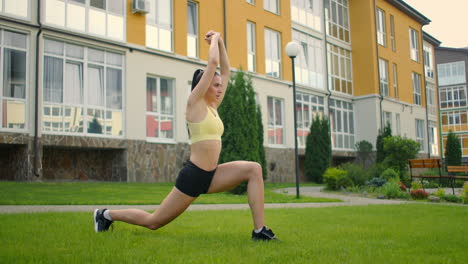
(255, 169)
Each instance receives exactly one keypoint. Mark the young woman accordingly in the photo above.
(202, 173)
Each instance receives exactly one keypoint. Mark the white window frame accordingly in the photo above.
(416, 77)
(272, 120)
(158, 113)
(433, 138)
(334, 26)
(342, 124)
(3, 5)
(269, 5)
(452, 97)
(251, 47)
(431, 99)
(307, 13)
(154, 25)
(384, 79)
(398, 124)
(451, 73)
(387, 118)
(193, 36)
(309, 64)
(428, 62)
(315, 105)
(270, 60)
(392, 32)
(87, 107)
(16, 100)
(87, 9)
(340, 69)
(414, 44)
(420, 134)
(381, 27)
(252, 2)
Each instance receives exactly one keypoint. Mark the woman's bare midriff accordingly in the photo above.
(205, 154)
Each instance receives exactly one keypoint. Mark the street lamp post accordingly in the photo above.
(292, 50)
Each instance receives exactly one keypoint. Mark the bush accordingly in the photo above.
(440, 193)
(376, 182)
(356, 172)
(452, 198)
(453, 152)
(392, 190)
(389, 174)
(402, 186)
(399, 150)
(318, 152)
(376, 170)
(419, 194)
(364, 152)
(331, 176)
(344, 181)
(465, 191)
(416, 185)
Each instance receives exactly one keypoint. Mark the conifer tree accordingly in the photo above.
(453, 152)
(318, 152)
(242, 132)
(379, 145)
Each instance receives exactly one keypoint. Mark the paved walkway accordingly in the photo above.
(348, 200)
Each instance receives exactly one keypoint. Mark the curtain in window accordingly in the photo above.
(73, 89)
(95, 86)
(192, 16)
(151, 95)
(114, 89)
(166, 97)
(53, 79)
(14, 80)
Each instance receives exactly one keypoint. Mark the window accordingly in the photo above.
(383, 71)
(398, 124)
(13, 76)
(82, 88)
(307, 13)
(433, 138)
(309, 65)
(251, 48)
(392, 33)
(387, 119)
(431, 99)
(159, 108)
(16, 8)
(192, 29)
(420, 134)
(417, 88)
(275, 121)
(339, 69)
(272, 53)
(251, 2)
(271, 5)
(337, 19)
(159, 25)
(381, 29)
(97, 17)
(395, 80)
(452, 96)
(454, 120)
(414, 44)
(451, 73)
(308, 106)
(428, 62)
(342, 124)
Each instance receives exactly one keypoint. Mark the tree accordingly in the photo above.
(239, 111)
(318, 151)
(399, 150)
(261, 148)
(379, 145)
(453, 152)
(95, 127)
(364, 151)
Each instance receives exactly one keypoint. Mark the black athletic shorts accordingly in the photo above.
(194, 181)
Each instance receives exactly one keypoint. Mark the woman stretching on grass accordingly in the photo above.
(202, 174)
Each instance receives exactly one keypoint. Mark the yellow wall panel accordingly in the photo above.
(136, 26)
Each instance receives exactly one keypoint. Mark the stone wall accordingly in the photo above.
(280, 165)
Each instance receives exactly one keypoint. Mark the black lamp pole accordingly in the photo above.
(296, 156)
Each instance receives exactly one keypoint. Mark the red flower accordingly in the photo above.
(419, 194)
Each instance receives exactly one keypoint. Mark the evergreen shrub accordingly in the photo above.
(318, 152)
(331, 176)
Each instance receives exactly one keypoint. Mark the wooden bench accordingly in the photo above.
(436, 164)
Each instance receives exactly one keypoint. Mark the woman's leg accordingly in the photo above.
(173, 205)
(231, 174)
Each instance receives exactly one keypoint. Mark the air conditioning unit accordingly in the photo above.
(141, 6)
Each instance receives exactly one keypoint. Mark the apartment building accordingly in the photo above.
(96, 89)
(452, 71)
(390, 73)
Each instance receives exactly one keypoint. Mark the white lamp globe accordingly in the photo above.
(292, 49)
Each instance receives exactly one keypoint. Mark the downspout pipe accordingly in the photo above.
(326, 64)
(224, 24)
(36, 170)
(425, 94)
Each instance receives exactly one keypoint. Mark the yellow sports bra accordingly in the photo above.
(210, 128)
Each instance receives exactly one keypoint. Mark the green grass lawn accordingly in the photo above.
(410, 233)
(74, 193)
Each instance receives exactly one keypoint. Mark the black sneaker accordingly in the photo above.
(101, 224)
(264, 235)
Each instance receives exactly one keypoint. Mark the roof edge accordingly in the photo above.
(410, 11)
(429, 38)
